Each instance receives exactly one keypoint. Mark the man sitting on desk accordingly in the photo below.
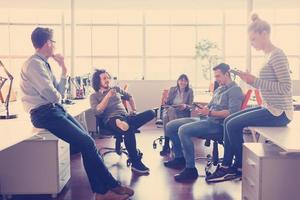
(227, 99)
(41, 94)
(106, 102)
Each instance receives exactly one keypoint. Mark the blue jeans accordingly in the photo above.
(181, 131)
(233, 131)
(56, 120)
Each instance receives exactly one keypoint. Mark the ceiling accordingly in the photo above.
(147, 4)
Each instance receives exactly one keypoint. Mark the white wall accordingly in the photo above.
(296, 87)
(147, 94)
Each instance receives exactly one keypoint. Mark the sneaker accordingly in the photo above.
(159, 122)
(188, 174)
(139, 167)
(176, 163)
(223, 174)
(165, 151)
(122, 125)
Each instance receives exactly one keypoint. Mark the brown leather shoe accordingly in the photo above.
(111, 196)
(123, 190)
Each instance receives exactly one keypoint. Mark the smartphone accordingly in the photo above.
(173, 106)
(176, 105)
(235, 72)
(198, 106)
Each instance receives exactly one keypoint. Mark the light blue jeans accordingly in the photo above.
(181, 131)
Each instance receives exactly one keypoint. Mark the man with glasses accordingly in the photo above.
(41, 95)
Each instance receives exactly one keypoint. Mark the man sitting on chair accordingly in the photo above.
(227, 99)
(106, 101)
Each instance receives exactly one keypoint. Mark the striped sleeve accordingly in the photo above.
(280, 66)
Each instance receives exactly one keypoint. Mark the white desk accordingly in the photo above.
(262, 161)
(79, 106)
(287, 138)
(13, 131)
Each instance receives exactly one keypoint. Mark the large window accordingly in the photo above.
(16, 26)
(285, 28)
(152, 45)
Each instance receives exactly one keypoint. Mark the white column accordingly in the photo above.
(72, 38)
(63, 34)
(224, 35)
(144, 73)
(249, 9)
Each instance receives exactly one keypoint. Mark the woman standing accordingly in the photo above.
(274, 83)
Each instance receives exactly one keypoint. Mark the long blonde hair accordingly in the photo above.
(258, 25)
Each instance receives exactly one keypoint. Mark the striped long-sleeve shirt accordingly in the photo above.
(275, 84)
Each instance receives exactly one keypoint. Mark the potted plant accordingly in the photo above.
(209, 54)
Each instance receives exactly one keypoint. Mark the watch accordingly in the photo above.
(209, 113)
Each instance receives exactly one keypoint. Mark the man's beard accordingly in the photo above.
(105, 87)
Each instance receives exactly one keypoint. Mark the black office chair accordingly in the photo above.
(212, 159)
(159, 124)
(119, 148)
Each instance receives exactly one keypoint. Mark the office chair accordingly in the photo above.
(104, 132)
(213, 158)
(119, 148)
(159, 120)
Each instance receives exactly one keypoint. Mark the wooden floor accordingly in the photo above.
(158, 185)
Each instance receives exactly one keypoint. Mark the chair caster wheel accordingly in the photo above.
(140, 154)
(128, 163)
(154, 145)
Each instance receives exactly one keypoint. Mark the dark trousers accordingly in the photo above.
(233, 130)
(56, 120)
(135, 122)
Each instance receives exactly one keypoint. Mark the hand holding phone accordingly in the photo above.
(235, 72)
(111, 93)
(198, 105)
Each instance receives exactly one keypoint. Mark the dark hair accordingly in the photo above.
(40, 36)
(96, 78)
(224, 68)
(184, 77)
(216, 85)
